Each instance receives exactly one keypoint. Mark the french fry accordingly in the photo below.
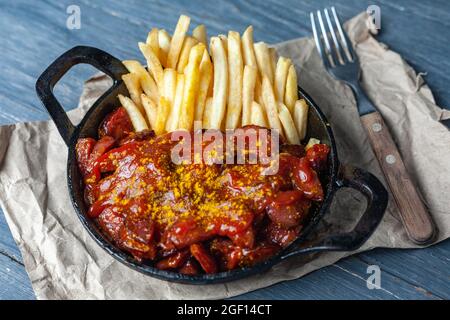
(199, 33)
(224, 42)
(211, 88)
(290, 131)
(207, 113)
(270, 105)
(191, 86)
(258, 117)
(247, 48)
(281, 73)
(170, 84)
(161, 116)
(235, 74)
(151, 110)
(177, 41)
(136, 117)
(273, 59)
(248, 93)
(259, 96)
(131, 81)
(174, 116)
(220, 83)
(206, 73)
(189, 42)
(258, 91)
(301, 117)
(153, 41)
(153, 63)
(263, 60)
(148, 85)
(164, 46)
(311, 142)
(291, 91)
(245, 83)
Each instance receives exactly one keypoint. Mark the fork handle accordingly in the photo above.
(414, 215)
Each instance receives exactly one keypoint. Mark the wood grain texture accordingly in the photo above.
(345, 280)
(34, 33)
(426, 270)
(14, 281)
(415, 216)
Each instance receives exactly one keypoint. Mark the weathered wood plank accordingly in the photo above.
(14, 281)
(344, 280)
(427, 269)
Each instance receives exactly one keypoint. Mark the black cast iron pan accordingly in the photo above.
(337, 177)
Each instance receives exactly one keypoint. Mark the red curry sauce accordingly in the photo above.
(194, 218)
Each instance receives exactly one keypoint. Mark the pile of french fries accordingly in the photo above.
(245, 83)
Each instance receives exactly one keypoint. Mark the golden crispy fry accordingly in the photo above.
(153, 41)
(273, 59)
(291, 91)
(311, 143)
(258, 94)
(247, 48)
(263, 60)
(248, 93)
(189, 42)
(161, 116)
(207, 113)
(191, 86)
(281, 73)
(199, 33)
(170, 84)
(211, 88)
(301, 117)
(258, 91)
(220, 83)
(290, 130)
(211, 84)
(235, 74)
(206, 73)
(177, 41)
(131, 81)
(258, 116)
(154, 66)
(174, 116)
(146, 81)
(224, 42)
(151, 110)
(270, 105)
(136, 117)
(164, 46)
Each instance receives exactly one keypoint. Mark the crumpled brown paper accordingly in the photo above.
(63, 262)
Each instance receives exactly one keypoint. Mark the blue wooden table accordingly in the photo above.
(34, 33)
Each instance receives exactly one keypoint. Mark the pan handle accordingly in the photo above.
(48, 79)
(377, 200)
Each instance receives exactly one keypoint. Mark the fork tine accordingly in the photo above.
(347, 49)
(328, 51)
(317, 39)
(335, 40)
(319, 44)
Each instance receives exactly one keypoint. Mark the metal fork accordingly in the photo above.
(339, 57)
(341, 61)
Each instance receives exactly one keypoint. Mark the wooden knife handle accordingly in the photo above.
(416, 219)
